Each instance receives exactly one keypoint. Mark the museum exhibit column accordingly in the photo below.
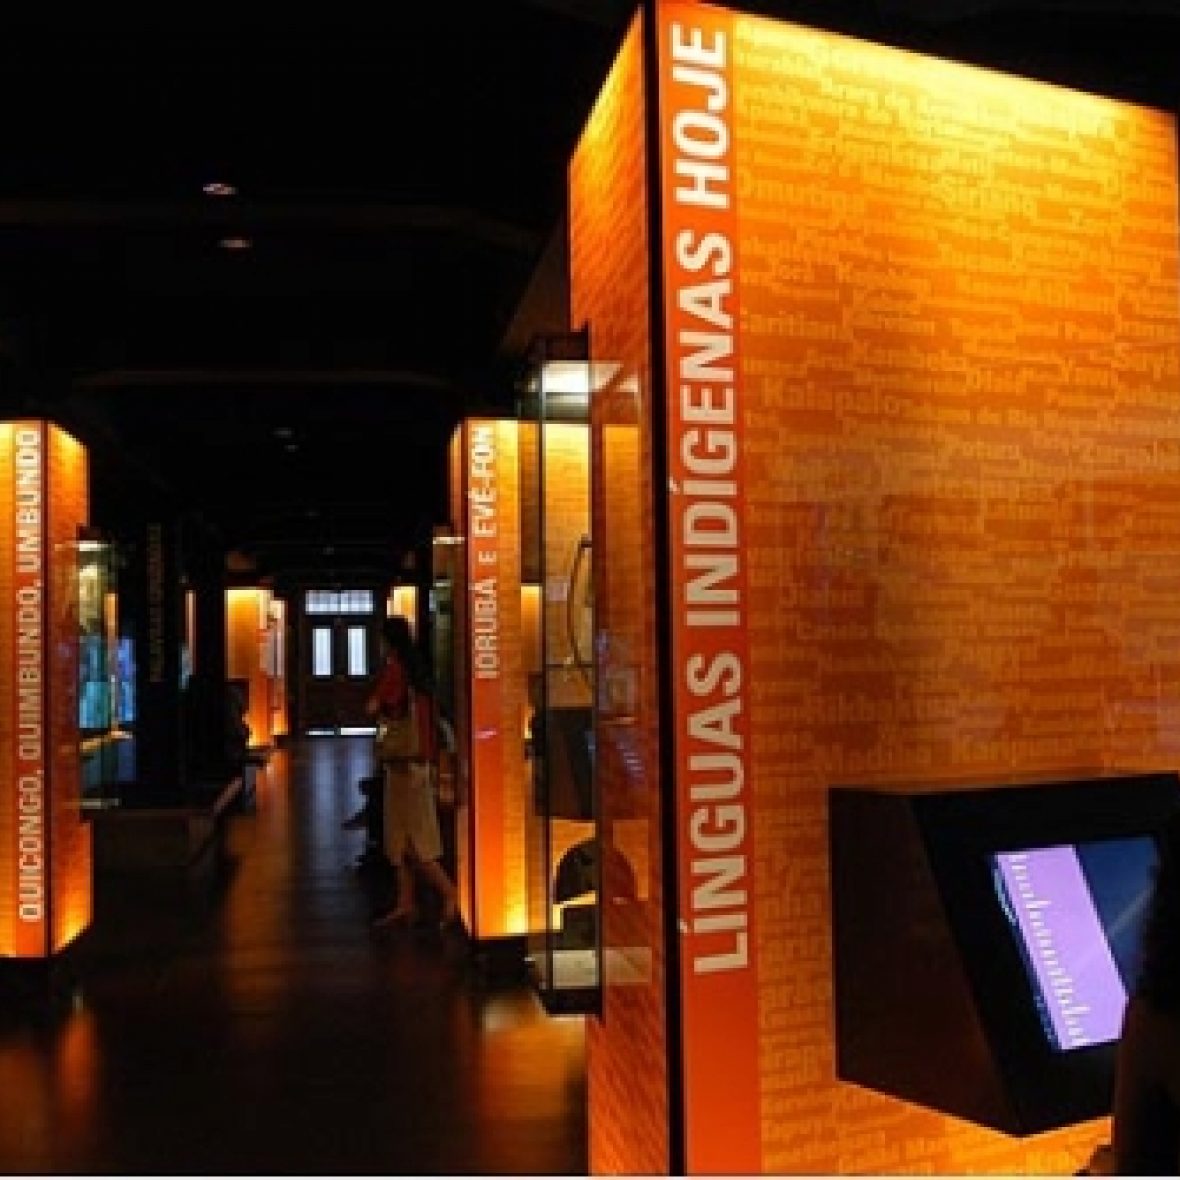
(903, 406)
(206, 718)
(46, 873)
(155, 603)
(248, 622)
(278, 631)
(489, 686)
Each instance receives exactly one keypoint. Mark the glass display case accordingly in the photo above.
(442, 657)
(106, 668)
(557, 589)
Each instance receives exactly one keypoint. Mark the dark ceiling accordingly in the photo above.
(398, 177)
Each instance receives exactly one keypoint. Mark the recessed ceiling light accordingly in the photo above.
(284, 432)
(218, 188)
(235, 243)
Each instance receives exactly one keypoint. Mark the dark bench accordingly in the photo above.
(178, 835)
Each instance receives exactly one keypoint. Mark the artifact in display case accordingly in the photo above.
(563, 762)
(105, 668)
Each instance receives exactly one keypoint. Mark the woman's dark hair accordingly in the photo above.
(395, 630)
(1159, 979)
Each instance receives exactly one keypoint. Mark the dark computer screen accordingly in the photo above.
(1077, 913)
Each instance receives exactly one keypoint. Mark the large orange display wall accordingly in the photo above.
(920, 334)
(46, 876)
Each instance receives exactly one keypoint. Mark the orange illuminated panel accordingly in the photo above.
(627, 1048)
(110, 625)
(190, 628)
(495, 654)
(25, 828)
(46, 882)
(245, 623)
(710, 643)
(71, 873)
(403, 602)
(923, 345)
(279, 718)
(530, 623)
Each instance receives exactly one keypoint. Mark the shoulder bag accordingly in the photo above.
(396, 739)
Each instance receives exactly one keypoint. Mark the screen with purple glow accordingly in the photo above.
(1077, 911)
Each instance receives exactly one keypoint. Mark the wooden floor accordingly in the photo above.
(260, 1027)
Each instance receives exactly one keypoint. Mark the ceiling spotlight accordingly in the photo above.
(217, 188)
(284, 432)
(235, 243)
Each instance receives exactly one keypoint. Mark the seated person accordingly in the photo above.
(237, 729)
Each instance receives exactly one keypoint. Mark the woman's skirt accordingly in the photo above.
(411, 814)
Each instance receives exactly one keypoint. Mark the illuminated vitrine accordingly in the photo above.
(441, 606)
(558, 607)
(106, 669)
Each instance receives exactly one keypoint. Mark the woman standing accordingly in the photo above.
(401, 699)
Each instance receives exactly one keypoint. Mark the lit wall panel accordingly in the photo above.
(246, 620)
(922, 335)
(403, 602)
(46, 879)
(280, 720)
(493, 815)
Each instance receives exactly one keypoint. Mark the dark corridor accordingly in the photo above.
(259, 1027)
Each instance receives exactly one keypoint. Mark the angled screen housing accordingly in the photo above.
(997, 926)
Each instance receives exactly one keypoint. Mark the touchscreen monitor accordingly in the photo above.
(1077, 912)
